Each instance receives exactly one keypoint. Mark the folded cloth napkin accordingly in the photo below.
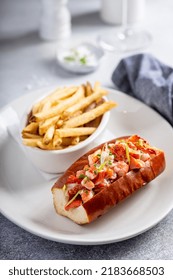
(147, 79)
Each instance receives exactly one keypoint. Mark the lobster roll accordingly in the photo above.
(105, 176)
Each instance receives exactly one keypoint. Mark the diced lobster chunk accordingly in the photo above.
(136, 163)
(93, 158)
(80, 173)
(119, 151)
(91, 175)
(86, 195)
(87, 183)
(121, 168)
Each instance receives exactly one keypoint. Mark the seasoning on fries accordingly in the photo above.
(66, 117)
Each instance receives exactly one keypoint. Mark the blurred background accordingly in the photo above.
(34, 58)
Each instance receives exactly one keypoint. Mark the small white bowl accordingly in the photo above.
(57, 161)
(94, 57)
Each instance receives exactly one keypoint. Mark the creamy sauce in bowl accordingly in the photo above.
(83, 58)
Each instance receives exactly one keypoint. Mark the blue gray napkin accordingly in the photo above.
(147, 79)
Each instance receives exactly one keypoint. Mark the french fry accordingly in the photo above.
(75, 140)
(31, 142)
(88, 89)
(73, 132)
(36, 108)
(95, 122)
(60, 107)
(84, 87)
(44, 126)
(63, 93)
(49, 135)
(90, 115)
(46, 106)
(90, 107)
(57, 94)
(69, 141)
(57, 140)
(31, 136)
(83, 103)
(31, 128)
(67, 117)
(50, 146)
(59, 123)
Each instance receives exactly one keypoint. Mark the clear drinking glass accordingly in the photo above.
(128, 38)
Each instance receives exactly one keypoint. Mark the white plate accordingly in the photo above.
(26, 199)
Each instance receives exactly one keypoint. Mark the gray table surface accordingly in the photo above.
(28, 63)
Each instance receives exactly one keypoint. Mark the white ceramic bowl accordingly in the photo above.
(57, 161)
(94, 51)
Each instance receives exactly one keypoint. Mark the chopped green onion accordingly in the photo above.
(69, 58)
(75, 56)
(86, 191)
(83, 60)
(81, 176)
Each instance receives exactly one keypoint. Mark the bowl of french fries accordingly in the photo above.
(61, 126)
